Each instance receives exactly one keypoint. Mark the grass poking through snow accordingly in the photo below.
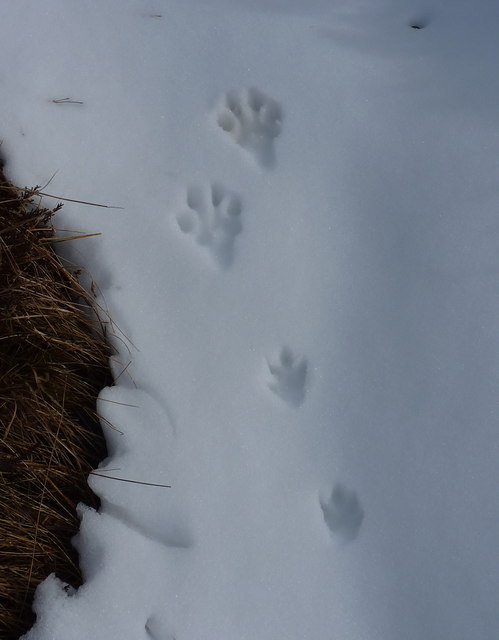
(53, 363)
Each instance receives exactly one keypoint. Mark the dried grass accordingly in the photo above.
(53, 362)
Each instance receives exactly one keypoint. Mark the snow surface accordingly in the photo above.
(304, 281)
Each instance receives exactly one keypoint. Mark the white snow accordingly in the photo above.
(304, 284)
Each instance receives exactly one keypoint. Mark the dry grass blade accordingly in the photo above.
(148, 484)
(66, 101)
(53, 362)
(17, 192)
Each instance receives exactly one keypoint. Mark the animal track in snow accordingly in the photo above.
(343, 513)
(155, 630)
(213, 218)
(253, 120)
(289, 375)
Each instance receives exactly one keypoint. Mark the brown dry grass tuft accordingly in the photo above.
(53, 363)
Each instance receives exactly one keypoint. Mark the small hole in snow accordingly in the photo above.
(226, 121)
(185, 222)
(217, 195)
(419, 23)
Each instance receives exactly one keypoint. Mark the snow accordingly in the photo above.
(303, 285)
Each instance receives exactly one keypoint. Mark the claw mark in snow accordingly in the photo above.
(288, 377)
(253, 120)
(213, 218)
(343, 513)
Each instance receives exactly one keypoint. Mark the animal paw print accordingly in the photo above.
(288, 378)
(155, 630)
(343, 513)
(213, 218)
(253, 120)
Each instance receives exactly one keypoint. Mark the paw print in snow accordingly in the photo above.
(253, 120)
(288, 378)
(343, 513)
(155, 630)
(213, 218)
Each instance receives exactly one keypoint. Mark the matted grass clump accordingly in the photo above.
(53, 363)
